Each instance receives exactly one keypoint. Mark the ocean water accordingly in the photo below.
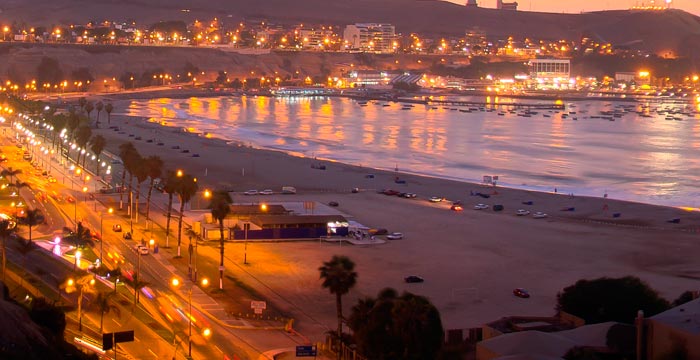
(652, 159)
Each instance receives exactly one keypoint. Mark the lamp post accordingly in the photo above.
(109, 211)
(175, 282)
(77, 259)
(79, 285)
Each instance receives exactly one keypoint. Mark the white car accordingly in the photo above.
(395, 236)
(436, 199)
(539, 215)
(522, 212)
(251, 192)
(266, 192)
(481, 207)
(143, 250)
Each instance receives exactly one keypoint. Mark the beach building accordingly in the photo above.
(370, 37)
(369, 78)
(674, 331)
(550, 73)
(315, 39)
(536, 344)
(272, 222)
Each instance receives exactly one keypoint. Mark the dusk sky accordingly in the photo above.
(576, 6)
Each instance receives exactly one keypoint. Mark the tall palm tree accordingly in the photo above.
(141, 174)
(338, 277)
(108, 109)
(82, 137)
(5, 232)
(99, 106)
(97, 145)
(170, 187)
(105, 303)
(126, 154)
(88, 109)
(220, 208)
(154, 165)
(32, 218)
(11, 173)
(186, 189)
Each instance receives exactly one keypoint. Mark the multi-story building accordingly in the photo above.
(370, 37)
(316, 39)
(550, 73)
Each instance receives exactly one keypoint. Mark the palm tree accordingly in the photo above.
(11, 173)
(88, 109)
(32, 218)
(82, 137)
(170, 187)
(99, 106)
(19, 184)
(338, 277)
(97, 145)
(80, 238)
(82, 102)
(105, 304)
(186, 189)
(219, 205)
(126, 153)
(5, 232)
(154, 165)
(141, 174)
(108, 109)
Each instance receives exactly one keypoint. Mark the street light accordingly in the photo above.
(109, 211)
(80, 285)
(77, 259)
(175, 282)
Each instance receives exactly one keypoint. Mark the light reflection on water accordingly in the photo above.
(643, 159)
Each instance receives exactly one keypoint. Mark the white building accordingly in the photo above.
(550, 73)
(370, 37)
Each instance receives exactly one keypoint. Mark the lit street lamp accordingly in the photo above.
(85, 283)
(109, 211)
(175, 282)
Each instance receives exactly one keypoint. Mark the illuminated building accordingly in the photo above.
(370, 37)
(550, 73)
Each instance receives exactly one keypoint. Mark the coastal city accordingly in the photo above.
(266, 181)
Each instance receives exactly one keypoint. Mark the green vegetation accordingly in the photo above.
(338, 277)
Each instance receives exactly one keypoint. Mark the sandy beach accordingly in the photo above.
(471, 260)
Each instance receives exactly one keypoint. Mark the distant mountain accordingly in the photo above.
(671, 31)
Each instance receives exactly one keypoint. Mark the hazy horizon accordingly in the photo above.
(577, 6)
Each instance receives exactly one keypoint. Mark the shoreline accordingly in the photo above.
(421, 178)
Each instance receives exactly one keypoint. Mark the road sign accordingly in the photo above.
(258, 305)
(109, 339)
(306, 350)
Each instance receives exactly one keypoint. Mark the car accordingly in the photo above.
(395, 236)
(480, 207)
(355, 190)
(70, 199)
(266, 192)
(175, 147)
(413, 279)
(456, 207)
(390, 192)
(251, 192)
(127, 235)
(539, 215)
(195, 155)
(436, 199)
(141, 249)
(522, 212)
(117, 228)
(185, 151)
(378, 231)
(333, 203)
(407, 195)
(521, 293)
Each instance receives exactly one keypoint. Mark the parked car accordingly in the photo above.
(413, 279)
(378, 231)
(395, 236)
(407, 195)
(522, 212)
(521, 293)
(266, 192)
(390, 192)
(251, 192)
(333, 203)
(436, 199)
(117, 228)
(539, 215)
(480, 207)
